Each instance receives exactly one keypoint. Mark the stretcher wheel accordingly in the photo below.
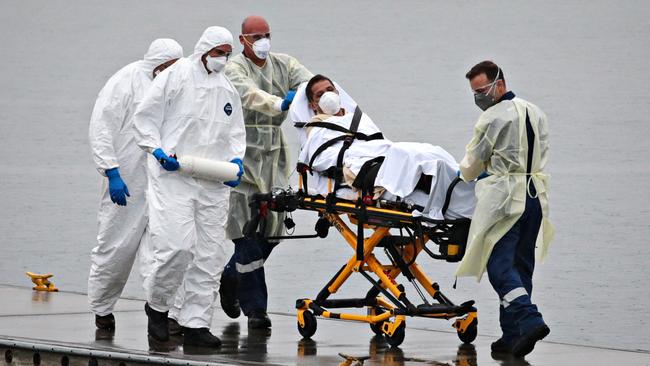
(398, 336)
(376, 327)
(470, 333)
(310, 324)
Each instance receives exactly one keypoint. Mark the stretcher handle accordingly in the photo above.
(260, 197)
(250, 227)
(450, 190)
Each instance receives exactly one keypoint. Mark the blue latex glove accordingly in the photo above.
(287, 100)
(239, 162)
(167, 162)
(116, 187)
(235, 183)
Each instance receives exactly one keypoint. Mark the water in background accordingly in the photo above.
(585, 63)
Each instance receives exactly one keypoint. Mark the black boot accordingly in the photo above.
(106, 322)
(199, 337)
(259, 320)
(174, 327)
(501, 346)
(525, 344)
(228, 296)
(157, 326)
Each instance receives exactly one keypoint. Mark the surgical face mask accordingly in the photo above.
(484, 101)
(261, 48)
(330, 103)
(215, 64)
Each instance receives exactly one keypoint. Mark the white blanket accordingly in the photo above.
(405, 163)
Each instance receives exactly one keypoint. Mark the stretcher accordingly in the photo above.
(401, 235)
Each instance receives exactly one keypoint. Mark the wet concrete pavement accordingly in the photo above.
(59, 325)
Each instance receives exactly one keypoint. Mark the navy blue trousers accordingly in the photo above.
(510, 270)
(246, 267)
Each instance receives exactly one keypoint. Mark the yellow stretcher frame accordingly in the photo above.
(386, 314)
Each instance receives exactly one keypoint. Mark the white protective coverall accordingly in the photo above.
(189, 112)
(499, 145)
(267, 160)
(112, 143)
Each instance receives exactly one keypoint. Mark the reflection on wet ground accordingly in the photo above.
(57, 325)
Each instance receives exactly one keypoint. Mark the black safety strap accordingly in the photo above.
(324, 147)
(328, 125)
(302, 169)
(365, 179)
(348, 136)
(354, 126)
(356, 119)
(351, 134)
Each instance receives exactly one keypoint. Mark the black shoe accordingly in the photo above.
(200, 337)
(500, 346)
(525, 344)
(174, 328)
(259, 320)
(157, 326)
(106, 322)
(228, 297)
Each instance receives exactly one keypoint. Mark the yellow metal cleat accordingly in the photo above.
(42, 282)
(352, 360)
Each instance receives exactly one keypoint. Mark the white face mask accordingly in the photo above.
(330, 103)
(216, 64)
(261, 48)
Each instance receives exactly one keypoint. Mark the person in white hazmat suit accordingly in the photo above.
(190, 110)
(117, 157)
(510, 142)
(266, 82)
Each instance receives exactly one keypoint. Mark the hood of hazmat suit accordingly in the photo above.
(189, 111)
(110, 132)
(113, 146)
(195, 118)
(267, 161)
(500, 146)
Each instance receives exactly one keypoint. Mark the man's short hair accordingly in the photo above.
(316, 78)
(489, 68)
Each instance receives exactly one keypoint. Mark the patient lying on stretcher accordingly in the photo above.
(415, 173)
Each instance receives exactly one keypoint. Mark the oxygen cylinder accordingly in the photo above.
(207, 169)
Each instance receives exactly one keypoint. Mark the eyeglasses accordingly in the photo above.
(258, 36)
